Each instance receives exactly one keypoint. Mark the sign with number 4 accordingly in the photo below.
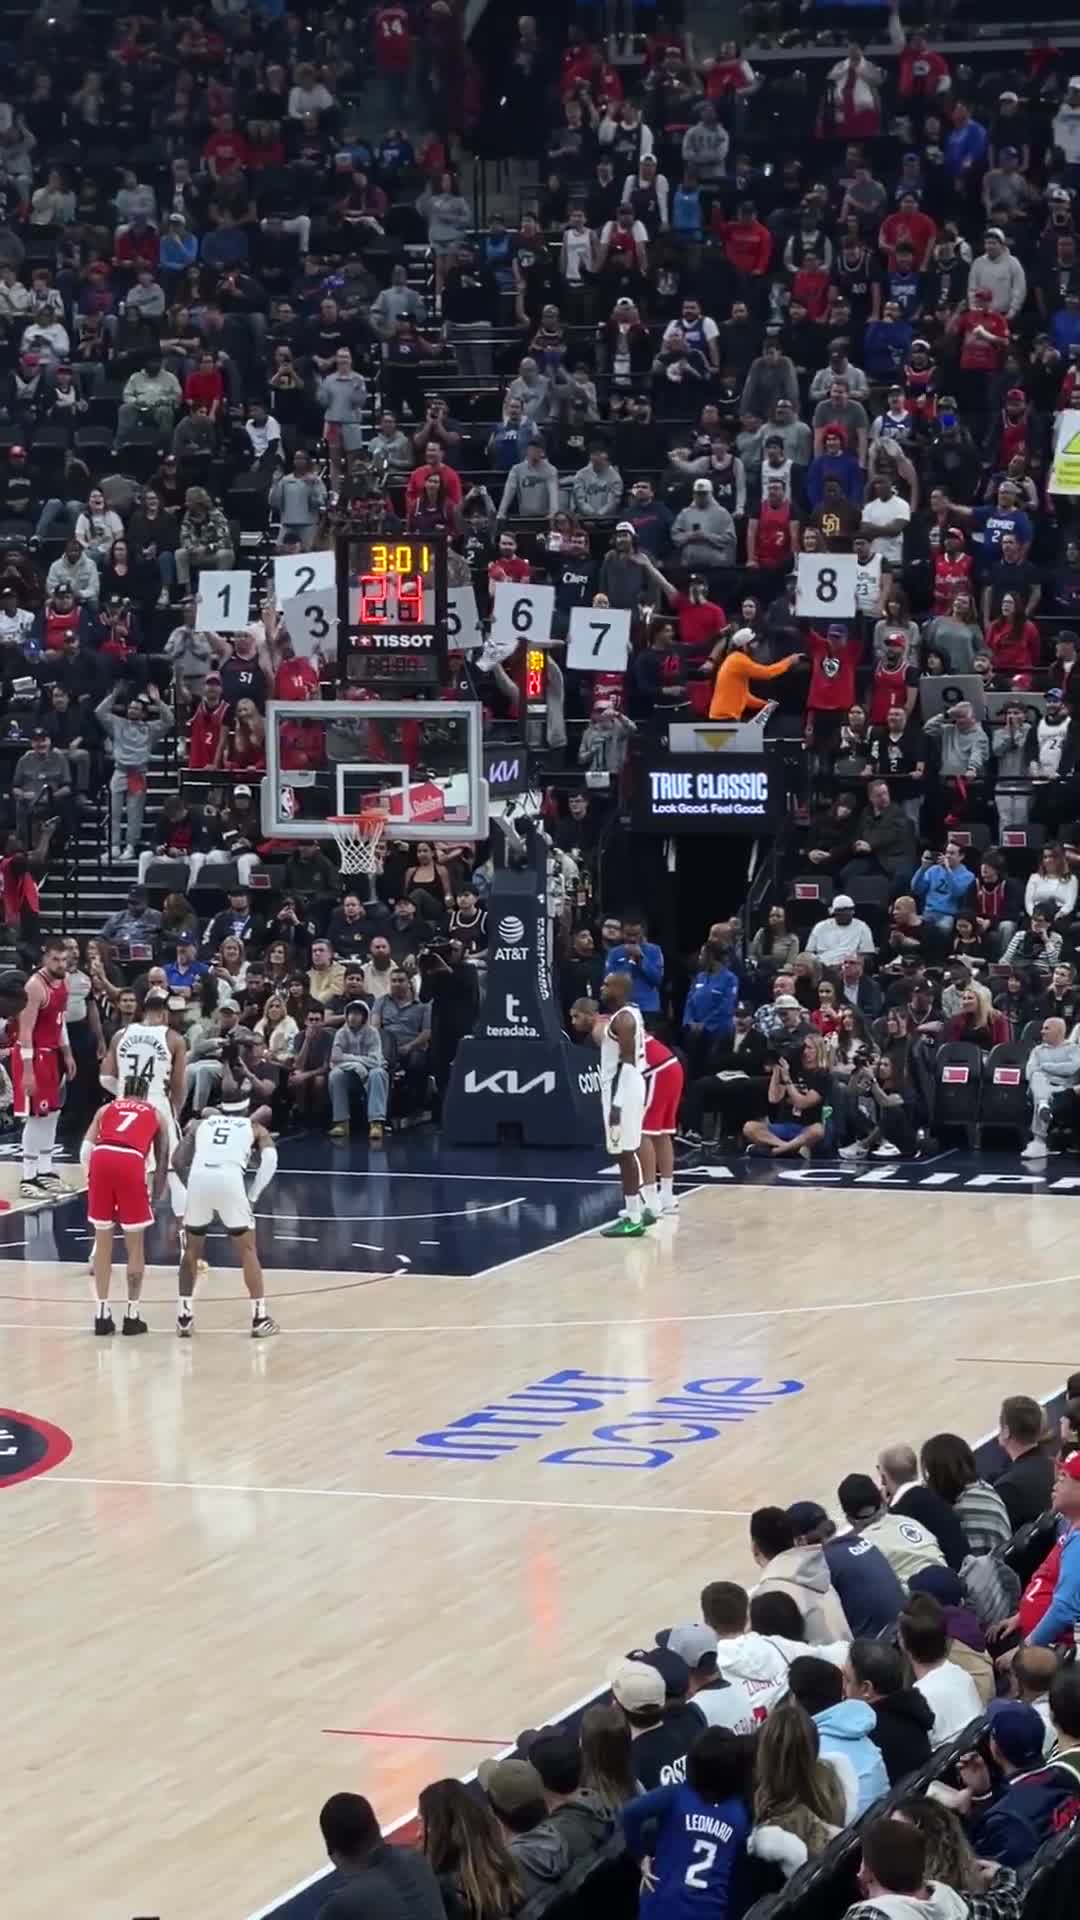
(224, 603)
(599, 639)
(825, 586)
(521, 614)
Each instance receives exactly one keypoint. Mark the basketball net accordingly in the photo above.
(359, 838)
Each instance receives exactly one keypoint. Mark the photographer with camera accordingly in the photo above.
(880, 1103)
(451, 986)
(800, 1104)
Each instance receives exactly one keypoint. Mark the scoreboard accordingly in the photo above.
(392, 610)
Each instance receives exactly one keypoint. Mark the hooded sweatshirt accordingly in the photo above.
(803, 1573)
(942, 1903)
(902, 1733)
(540, 1857)
(362, 1045)
(752, 1660)
(584, 1824)
(845, 1731)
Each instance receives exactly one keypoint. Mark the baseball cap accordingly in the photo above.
(242, 789)
(1055, 693)
(16, 453)
(859, 1497)
(1016, 393)
(702, 484)
(1075, 81)
(672, 1669)
(805, 1516)
(1012, 151)
(1071, 1468)
(744, 636)
(843, 900)
(1008, 94)
(786, 1002)
(693, 1643)
(995, 233)
(137, 892)
(637, 1686)
(511, 1784)
(624, 526)
(1018, 1730)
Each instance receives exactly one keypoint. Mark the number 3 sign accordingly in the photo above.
(825, 586)
(224, 603)
(598, 639)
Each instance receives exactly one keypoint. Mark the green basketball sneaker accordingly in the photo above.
(624, 1229)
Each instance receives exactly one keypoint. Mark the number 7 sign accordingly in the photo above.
(598, 639)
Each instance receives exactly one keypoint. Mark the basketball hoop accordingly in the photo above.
(359, 838)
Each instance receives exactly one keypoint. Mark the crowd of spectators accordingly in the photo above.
(910, 1670)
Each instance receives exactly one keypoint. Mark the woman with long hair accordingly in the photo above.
(278, 1030)
(798, 1799)
(1052, 886)
(231, 967)
(951, 1861)
(977, 1022)
(465, 1849)
(849, 1037)
(178, 917)
(277, 965)
(1012, 640)
(954, 637)
(949, 1469)
(774, 949)
(246, 751)
(607, 1757)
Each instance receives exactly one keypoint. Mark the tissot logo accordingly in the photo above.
(28, 1446)
(506, 1081)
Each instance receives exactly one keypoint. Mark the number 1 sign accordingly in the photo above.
(598, 640)
(224, 603)
(825, 586)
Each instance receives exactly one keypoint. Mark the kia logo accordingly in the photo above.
(511, 930)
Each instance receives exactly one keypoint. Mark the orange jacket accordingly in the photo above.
(731, 695)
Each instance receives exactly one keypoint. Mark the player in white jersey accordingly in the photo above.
(149, 1051)
(622, 1095)
(212, 1158)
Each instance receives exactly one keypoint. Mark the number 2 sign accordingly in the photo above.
(825, 586)
(598, 639)
(224, 603)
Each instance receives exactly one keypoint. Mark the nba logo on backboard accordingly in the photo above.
(287, 802)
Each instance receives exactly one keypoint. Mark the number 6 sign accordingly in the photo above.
(521, 614)
(224, 603)
(598, 639)
(825, 586)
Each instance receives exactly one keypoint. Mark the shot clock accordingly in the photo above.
(392, 610)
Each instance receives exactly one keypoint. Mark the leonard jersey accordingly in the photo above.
(142, 1053)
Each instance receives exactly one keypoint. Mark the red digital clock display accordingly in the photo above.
(395, 584)
(394, 595)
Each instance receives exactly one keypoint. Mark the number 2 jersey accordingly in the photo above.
(697, 1849)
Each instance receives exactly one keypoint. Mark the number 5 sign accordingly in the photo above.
(825, 586)
(521, 614)
(598, 639)
(224, 603)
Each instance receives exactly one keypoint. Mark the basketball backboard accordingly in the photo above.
(420, 759)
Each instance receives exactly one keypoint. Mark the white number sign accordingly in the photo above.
(522, 615)
(462, 620)
(296, 575)
(311, 620)
(825, 586)
(224, 603)
(598, 639)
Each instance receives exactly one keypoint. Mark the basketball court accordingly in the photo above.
(489, 1452)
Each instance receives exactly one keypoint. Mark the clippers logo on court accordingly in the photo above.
(29, 1446)
(644, 1437)
(511, 933)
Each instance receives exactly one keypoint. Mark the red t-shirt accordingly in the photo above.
(916, 227)
(811, 287)
(951, 576)
(698, 624)
(982, 356)
(202, 389)
(1012, 651)
(451, 481)
(228, 151)
(515, 570)
(832, 676)
(296, 680)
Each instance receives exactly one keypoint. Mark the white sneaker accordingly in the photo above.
(856, 1151)
(886, 1150)
(1035, 1150)
(129, 853)
(670, 1205)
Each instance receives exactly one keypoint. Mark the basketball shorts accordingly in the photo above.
(49, 1083)
(626, 1137)
(116, 1194)
(218, 1193)
(663, 1092)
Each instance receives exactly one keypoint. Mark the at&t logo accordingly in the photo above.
(511, 933)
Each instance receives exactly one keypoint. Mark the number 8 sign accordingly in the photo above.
(825, 586)
(598, 639)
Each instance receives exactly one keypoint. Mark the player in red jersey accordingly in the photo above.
(41, 1063)
(115, 1152)
(664, 1080)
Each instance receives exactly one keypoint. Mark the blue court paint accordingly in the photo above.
(639, 1437)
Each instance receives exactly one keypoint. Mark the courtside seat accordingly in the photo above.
(1004, 1103)
(958, 1074)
